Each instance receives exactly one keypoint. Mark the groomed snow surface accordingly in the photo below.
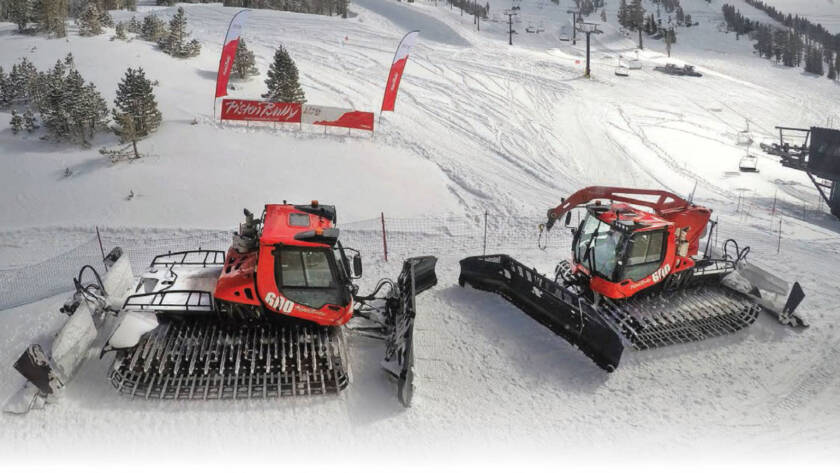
(479, 126)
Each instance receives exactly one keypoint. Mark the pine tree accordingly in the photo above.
(832, 72)
(21, 82)
(29, 121)
(119, 31)
(105, 19)
(87, 110)
(779, 43)
(89, 24)
(603, 15)
(16, 123)
(4, 88)
(134, 26)
(68, 107)
(283, 84)
(764, 41)
(51, 16)
(244, 64)
(153, 28)
(175, 43)
(135, 108)
(814, 61)
(622, 13)
(20, 13)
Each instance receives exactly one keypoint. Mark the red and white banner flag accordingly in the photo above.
(229, 52)
(257, 111)
(397, 66)
(333, 116)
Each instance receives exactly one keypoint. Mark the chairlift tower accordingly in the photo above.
(510, 14)
(575, 12)
(588, 29)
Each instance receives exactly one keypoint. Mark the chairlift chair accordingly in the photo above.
(748, 163)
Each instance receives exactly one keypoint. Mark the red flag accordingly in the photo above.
(397, 66)
(229, 52)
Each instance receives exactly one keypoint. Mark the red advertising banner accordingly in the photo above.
(257, 111)
(397, 67)
(228, 52)
(341, 117)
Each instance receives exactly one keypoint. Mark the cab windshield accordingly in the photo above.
(308, 276)
(604, 244)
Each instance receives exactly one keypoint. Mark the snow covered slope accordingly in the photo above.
(478, 126)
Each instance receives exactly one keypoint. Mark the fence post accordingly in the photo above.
(779, 247)
(775, 194)
(101, 249)
(716, 231)
(484, 251)
(384, 239)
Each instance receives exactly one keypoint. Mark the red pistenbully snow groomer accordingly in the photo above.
(637, 277)
(264, 319)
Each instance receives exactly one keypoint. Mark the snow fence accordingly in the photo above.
(403, 237)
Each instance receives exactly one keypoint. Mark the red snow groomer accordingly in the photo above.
(264, 319)
(637, 277)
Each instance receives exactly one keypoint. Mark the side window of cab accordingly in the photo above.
(644, 255)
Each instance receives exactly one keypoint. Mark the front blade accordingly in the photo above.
(34, 365)
(547, 302)
(418, 275)
(797, 295)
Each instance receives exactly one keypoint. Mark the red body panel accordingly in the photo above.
(237, 283)
(277, 227)
(253, 273)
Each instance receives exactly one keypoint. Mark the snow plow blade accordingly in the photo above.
(771, 292)
(549, 303)
(417, 275)
(48, 371)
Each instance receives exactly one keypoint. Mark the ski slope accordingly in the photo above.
(479, 126)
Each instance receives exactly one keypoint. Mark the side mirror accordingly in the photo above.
(357, 265)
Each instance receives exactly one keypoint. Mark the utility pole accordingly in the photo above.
(588, 29)
(510, 15)
(575, 12)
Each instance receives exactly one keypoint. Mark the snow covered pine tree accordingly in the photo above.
(135, 108)
(244, 64)
(153, 28)
(16, 122)
(175, 43)
(283, 84)
(88, 21)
